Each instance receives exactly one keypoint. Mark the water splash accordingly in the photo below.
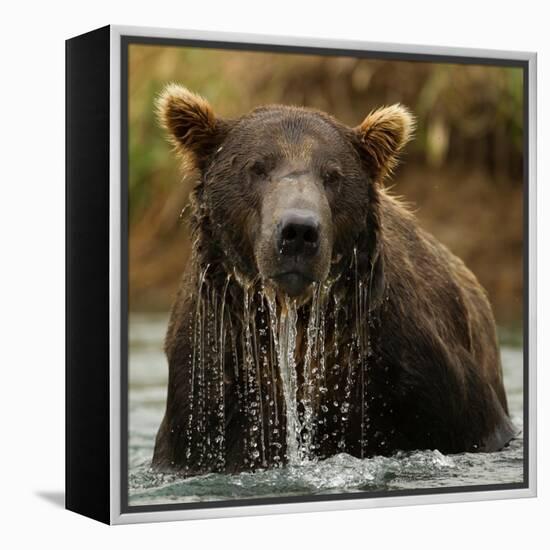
(287, 367)
(339, 473)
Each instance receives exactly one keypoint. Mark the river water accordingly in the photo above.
(148, 373)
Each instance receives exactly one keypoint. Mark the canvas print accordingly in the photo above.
(325, 275)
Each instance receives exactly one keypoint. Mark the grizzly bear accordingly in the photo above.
(315, 316)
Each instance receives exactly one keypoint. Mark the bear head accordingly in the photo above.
(287, 195)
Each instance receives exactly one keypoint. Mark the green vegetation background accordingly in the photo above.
(462, 174)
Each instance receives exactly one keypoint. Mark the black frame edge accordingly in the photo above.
(87, 449)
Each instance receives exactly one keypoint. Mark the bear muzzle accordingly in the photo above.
(293, 246)
(297, 243)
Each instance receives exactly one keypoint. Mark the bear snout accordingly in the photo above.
(297, 240)
(293, 246)
(297, 233)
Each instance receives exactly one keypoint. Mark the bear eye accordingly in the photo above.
(331, 176)
(258, 168)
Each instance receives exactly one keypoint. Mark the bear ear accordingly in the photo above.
(190, 122)
(383, 134)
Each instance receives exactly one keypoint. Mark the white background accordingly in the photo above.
(32, 272)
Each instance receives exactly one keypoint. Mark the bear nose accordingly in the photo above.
(298, 233)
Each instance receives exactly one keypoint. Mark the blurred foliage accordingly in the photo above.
(469, 129)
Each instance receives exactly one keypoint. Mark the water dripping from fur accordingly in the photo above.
(260, 353)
